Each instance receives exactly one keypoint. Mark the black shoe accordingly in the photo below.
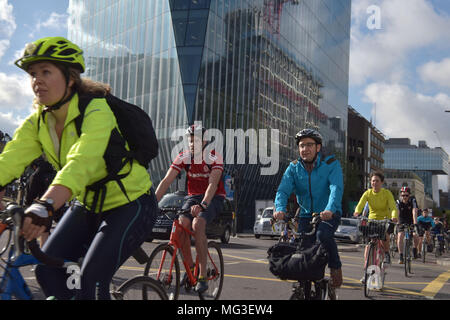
(415, 253)
(400, 260)
(202, 285)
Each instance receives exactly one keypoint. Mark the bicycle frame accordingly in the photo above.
(175, 243)
(12, 282)
(379, 252)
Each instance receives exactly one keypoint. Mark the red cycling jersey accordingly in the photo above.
(198, 174)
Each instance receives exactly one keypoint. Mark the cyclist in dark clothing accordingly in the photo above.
(407, 214)
(38, 183)
(39, 180)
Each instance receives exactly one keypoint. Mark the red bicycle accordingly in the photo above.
(163, 265)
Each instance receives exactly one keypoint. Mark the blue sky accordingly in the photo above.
(403, 68)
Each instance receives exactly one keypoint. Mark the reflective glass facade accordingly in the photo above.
(232, 64)
(433, 160)
(424, 161)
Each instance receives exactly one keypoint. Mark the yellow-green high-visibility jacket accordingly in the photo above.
(78, 159)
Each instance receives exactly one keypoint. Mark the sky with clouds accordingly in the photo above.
(399, 70)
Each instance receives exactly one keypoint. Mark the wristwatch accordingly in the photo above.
(48, 204)
(204, 205)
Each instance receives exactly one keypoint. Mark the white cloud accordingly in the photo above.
(7, 26)
(4, 45)
(55, 21)
(402, 113)
(7, 21)
(405, 26)
(9, 123)
(15, 92)
(436, 72)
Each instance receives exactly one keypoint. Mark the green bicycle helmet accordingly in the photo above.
(56, 49)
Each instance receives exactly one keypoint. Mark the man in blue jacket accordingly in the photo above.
(318, 184)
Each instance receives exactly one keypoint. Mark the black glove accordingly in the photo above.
(40, 215)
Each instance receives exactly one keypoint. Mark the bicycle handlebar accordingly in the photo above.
(13, 216)
(43, 257)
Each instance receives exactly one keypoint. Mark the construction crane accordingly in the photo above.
(272, 12)
(439, 139)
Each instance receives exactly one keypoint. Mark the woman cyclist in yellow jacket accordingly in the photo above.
(54, 65)
(381, 205)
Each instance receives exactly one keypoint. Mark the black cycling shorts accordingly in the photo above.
(214, 208)
(423, 228)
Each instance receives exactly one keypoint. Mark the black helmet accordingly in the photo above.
(308, 133)
(195, 129)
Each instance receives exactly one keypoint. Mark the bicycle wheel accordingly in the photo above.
(332, 294)
(368, 271)
(215, 272)
(392, 246)
(140, 288)
(298, 292)
(439, 249)
(407, 256)
(324, 291)
(5, 238)
(159, 268)
(424, 250)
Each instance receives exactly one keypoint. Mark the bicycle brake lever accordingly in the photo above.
(16, 217)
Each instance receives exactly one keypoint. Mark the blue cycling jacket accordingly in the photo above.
(425, 220)
(317, 191)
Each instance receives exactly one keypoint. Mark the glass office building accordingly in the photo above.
(232, 64)
(427, 163)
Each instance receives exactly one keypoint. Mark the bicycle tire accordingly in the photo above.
(380, 257)
(215, 272)
(438, 250)
(169, 281)
(321, 289)
(392, 246)
(369, 262)
(424, 250)
(140, 288)
(6, 234)
(407, 257)
(298, 291)
(332, 292)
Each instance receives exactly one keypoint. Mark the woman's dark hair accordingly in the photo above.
(378, 174)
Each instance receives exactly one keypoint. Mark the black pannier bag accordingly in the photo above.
(287, 262)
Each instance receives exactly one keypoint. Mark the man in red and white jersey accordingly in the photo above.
(206, 193)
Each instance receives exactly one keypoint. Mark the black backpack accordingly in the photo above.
(290, 262)
(137, 130)
(134, 124)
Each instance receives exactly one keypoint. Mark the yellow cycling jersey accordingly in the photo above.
(381, 204)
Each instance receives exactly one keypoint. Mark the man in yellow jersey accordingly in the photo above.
(381, 205)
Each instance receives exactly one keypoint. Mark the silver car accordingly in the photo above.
(348, 230)
(263, 225)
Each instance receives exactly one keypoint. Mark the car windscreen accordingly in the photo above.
(171, 201)
(267, 213)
